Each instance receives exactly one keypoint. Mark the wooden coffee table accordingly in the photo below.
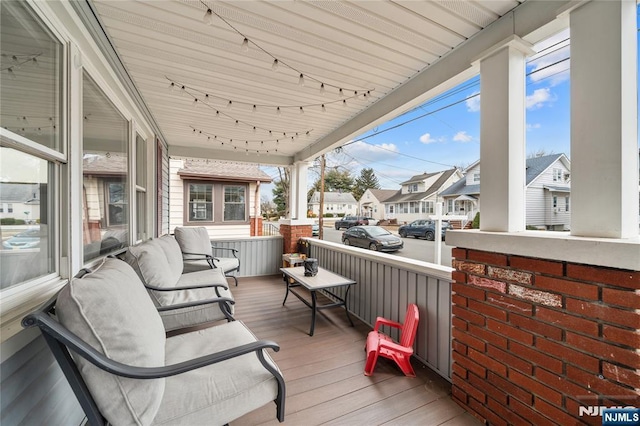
(323, 281)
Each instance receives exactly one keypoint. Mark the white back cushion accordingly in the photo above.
(193, 239)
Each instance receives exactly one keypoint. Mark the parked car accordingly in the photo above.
(371, 237)
(24, 240)
(371, 221)
(315, 229)
(349, 221)
(422, 228)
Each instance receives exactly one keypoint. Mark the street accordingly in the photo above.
(417, 249)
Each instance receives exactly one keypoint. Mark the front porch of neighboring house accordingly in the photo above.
(528, 327)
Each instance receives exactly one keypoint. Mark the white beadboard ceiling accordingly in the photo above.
(368, 47)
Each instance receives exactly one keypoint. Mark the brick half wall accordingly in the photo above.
(534, 340)
(291, 234)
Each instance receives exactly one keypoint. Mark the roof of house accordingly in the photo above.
(382, 194)
(19, 192)
(535, 167)
(105, 164)
(224, 170)
(416, 196)
(419, 178)
(333, 197)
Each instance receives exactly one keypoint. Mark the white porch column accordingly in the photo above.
(604, 128)
(502, 136)
(298, 206)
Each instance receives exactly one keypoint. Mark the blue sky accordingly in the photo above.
(448, 132)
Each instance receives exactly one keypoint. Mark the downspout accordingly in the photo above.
(256, 208)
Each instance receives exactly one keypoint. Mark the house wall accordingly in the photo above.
(539, 205)
(335, 208)
(534, 339)
(377, 208)
(469, 177)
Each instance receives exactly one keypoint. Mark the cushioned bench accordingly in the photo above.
(110, 343)
(158, 262)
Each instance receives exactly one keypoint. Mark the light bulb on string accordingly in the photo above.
(254, 129)
(324, 109)
(229, 104)
(341, 93)
(245, 45)
(12, 75)
(278, 111)
(344, 102)
(301, 110)
(35, 63)
(195, 102)
(172, 86)
(254, 109)
(322, 91)
(237, 122)
(301, 80)
(217, 114)
(274, 65)
(183, 90)
(208, 17)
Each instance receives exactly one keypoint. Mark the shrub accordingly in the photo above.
(476, 221)
(7, 221)
(327, 215)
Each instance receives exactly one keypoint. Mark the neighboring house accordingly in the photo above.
(417, 197)
(222, 196)
(336, 203)
(547, 195)
(371, 202)
(20, 201)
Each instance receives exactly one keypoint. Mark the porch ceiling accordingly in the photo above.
(372, 47)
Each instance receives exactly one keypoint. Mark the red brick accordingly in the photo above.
(510, 304)
(487, 388)
(500, 409)
(459, 277)
(536, 357)
(510, 275)
(459, 370)
(555, 413)
(509, 331)
(573, 406)
(621, 374)
(528, 412)
(466, 387)
(487, 310)
(598, 274)
(459, 300)
(467, 315)
(488, 362)
(535, 326)
(471, 267)
(568, 355)
(536, 296)
(574, 288)
(459, 253)
(537, 265)
(458, 394)
(511, 389)
(458, 322)
(468, 339)
(468, 364)
(498, 286)
(560, 383)
(625, 337)
(514, 362)
(605, 313)
(490, 417)
(487, 257)
(459, 347)
(489, 337)
(604, 350)
(536, 387)
(468, 291)
(567, 321)
(601, 385)
(628, 299)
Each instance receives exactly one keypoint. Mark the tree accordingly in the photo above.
(366, 180)
(281, 192)
(539, 153)
(334, 181)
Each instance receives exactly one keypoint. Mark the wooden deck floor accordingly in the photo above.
(324, 373)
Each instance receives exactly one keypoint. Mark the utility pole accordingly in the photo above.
(320, 214)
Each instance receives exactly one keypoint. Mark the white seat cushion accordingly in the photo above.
(218, 393)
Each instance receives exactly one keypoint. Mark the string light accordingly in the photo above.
(301, 80)
(274, 66)
(322, 90)
(245, 45)
(208, 17)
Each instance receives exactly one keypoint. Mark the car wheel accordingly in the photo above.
(373, 247)
(337, 227)
(429, 236)
(403, 233)
(346, 242)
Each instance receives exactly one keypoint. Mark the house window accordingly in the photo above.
(557, 175)
(1, 208)
(476, 177)
(200, 202)
(105, 168)
(375, 209)
(427, 207)
(555, 203)
(391, 208)
(9, 208)
(566, 204)
(414, 207)
(234, 203)
(141, 188)
(405, 207)
(450, 208)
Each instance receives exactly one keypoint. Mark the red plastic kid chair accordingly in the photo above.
(379, 343)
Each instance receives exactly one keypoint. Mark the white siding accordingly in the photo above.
(539, 201)
(470, 176)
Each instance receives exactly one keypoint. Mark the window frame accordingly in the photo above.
(217, 188)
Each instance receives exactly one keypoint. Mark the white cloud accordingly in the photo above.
(462, 136)
(361, 149)
(533, 126)
(473, 102)
(552, 63)
(427, 139)
(538, 98)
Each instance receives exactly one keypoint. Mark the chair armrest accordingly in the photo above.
(189, 287)
(83, 349)
(196, 303)
(233, 251)
(200, 256)
(383, 321)
(388, 344)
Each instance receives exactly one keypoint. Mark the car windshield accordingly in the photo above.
(377, 231)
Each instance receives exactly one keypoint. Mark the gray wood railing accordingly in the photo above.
(386, 284)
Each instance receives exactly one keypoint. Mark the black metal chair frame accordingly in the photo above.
(210, 260)
(61, 341)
